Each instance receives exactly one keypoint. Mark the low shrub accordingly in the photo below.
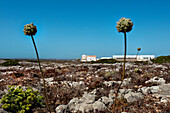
(161, 59)
(18, 100)
(139, 71)
(105, 61)
(10, 63)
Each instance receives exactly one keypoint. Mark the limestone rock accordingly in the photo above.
(106, 100)
(83, 107)
(109, 83)
(61, 109)
(99, 106)
(126, 81)
(132, 97)
(72, 103)
(156, 80)
(165, 90)
(164, 100)
(144, 90)
(88, 98)
(154, 89)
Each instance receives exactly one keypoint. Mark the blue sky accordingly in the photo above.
(69, 28)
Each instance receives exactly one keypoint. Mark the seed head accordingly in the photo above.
(138, 48)
(30, 29)
(124, 25)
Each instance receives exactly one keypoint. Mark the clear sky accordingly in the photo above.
(69, 28)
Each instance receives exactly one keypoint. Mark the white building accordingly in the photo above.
(88, 58)
(106, 58)
(133, 57)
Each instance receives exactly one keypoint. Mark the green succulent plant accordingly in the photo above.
(18, 100)
(124, 25)
(30, 29)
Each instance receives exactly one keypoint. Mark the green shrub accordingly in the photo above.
(10, 63)
(18, 100)
(161, 59)
(35, 61)
(142, 62)
(105, 61)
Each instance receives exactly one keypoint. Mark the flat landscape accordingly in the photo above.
(75, 87)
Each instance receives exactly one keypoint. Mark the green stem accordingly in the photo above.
(124, 61)
(137, 55)
(41, 72)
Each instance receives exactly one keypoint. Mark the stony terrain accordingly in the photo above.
(82, 87)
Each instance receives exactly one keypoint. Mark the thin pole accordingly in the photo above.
(41, 72)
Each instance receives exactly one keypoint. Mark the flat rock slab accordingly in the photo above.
(164, 90)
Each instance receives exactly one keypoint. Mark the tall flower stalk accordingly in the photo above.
(138, 49)
(31, 30)
(124, 25)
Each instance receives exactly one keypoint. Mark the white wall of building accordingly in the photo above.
(106, 58)
(139, 57)
(83, 58)
(145, 57)
(89, 58)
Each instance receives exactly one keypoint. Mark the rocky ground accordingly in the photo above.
(82, 87)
